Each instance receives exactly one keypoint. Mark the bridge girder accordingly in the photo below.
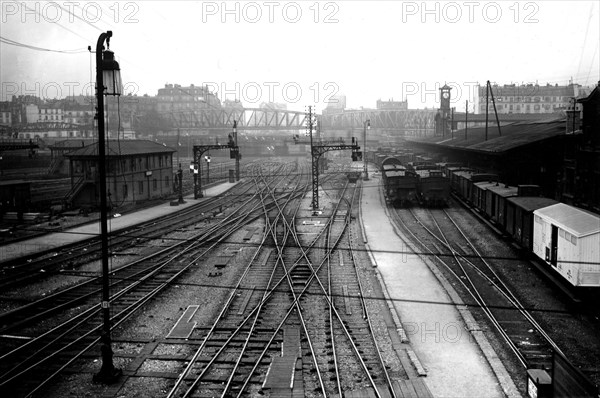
(400, 120)
(247, 119)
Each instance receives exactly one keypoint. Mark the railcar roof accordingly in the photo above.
(503, 190)
(531, 203)
(572, 219)
(485, 184)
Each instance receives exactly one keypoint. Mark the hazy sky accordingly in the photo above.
(301, 52)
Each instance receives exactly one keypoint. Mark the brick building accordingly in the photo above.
(136, 171)
(529, 98)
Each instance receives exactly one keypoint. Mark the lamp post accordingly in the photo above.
(367, 126)
(237, 156)
(107, 70)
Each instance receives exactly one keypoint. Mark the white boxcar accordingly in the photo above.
(568, 239)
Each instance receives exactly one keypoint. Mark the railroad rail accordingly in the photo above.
(30, 364)
(442, 237)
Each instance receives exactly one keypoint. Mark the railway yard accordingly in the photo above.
(248, 292)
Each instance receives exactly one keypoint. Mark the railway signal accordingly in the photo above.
(317, 150)
(234, 153)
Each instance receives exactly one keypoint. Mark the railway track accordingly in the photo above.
(297, 310)
(442, 237)
(69, 257)
(31, 365)
(289, 307)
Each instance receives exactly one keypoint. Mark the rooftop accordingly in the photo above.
(513, 135)
(123, 148)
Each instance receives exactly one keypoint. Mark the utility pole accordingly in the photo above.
(466, 117)
(487, 93)
(495, 111)
(452, 124)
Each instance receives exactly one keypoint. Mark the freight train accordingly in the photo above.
(564, 237)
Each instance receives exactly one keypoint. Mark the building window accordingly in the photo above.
(140, 187)
(125, 191)
(167, 181)
(155, 184)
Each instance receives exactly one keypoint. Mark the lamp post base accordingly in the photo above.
(108, 377)
(108, 374)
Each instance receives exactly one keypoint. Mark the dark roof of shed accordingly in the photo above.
(123, 148)
(72, 144)
(513, 136)
(531, 203)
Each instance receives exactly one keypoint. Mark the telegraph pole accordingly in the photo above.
(466, 117)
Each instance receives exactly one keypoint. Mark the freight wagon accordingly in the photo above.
(568, 239)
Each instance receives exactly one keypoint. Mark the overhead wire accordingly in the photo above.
(36, 48)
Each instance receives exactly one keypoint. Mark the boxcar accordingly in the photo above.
(519, 218)
(495, 202)
(479, 194)
(568, 239)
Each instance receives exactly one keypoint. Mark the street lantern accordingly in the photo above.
(111, 74)
(108, 373)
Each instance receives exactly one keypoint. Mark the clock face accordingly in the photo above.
(445, 94)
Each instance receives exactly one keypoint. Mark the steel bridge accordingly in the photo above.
(247, 119)
(12, 144)
(410, 120)
(270, 119)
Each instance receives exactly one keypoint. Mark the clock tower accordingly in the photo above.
(444, 118)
